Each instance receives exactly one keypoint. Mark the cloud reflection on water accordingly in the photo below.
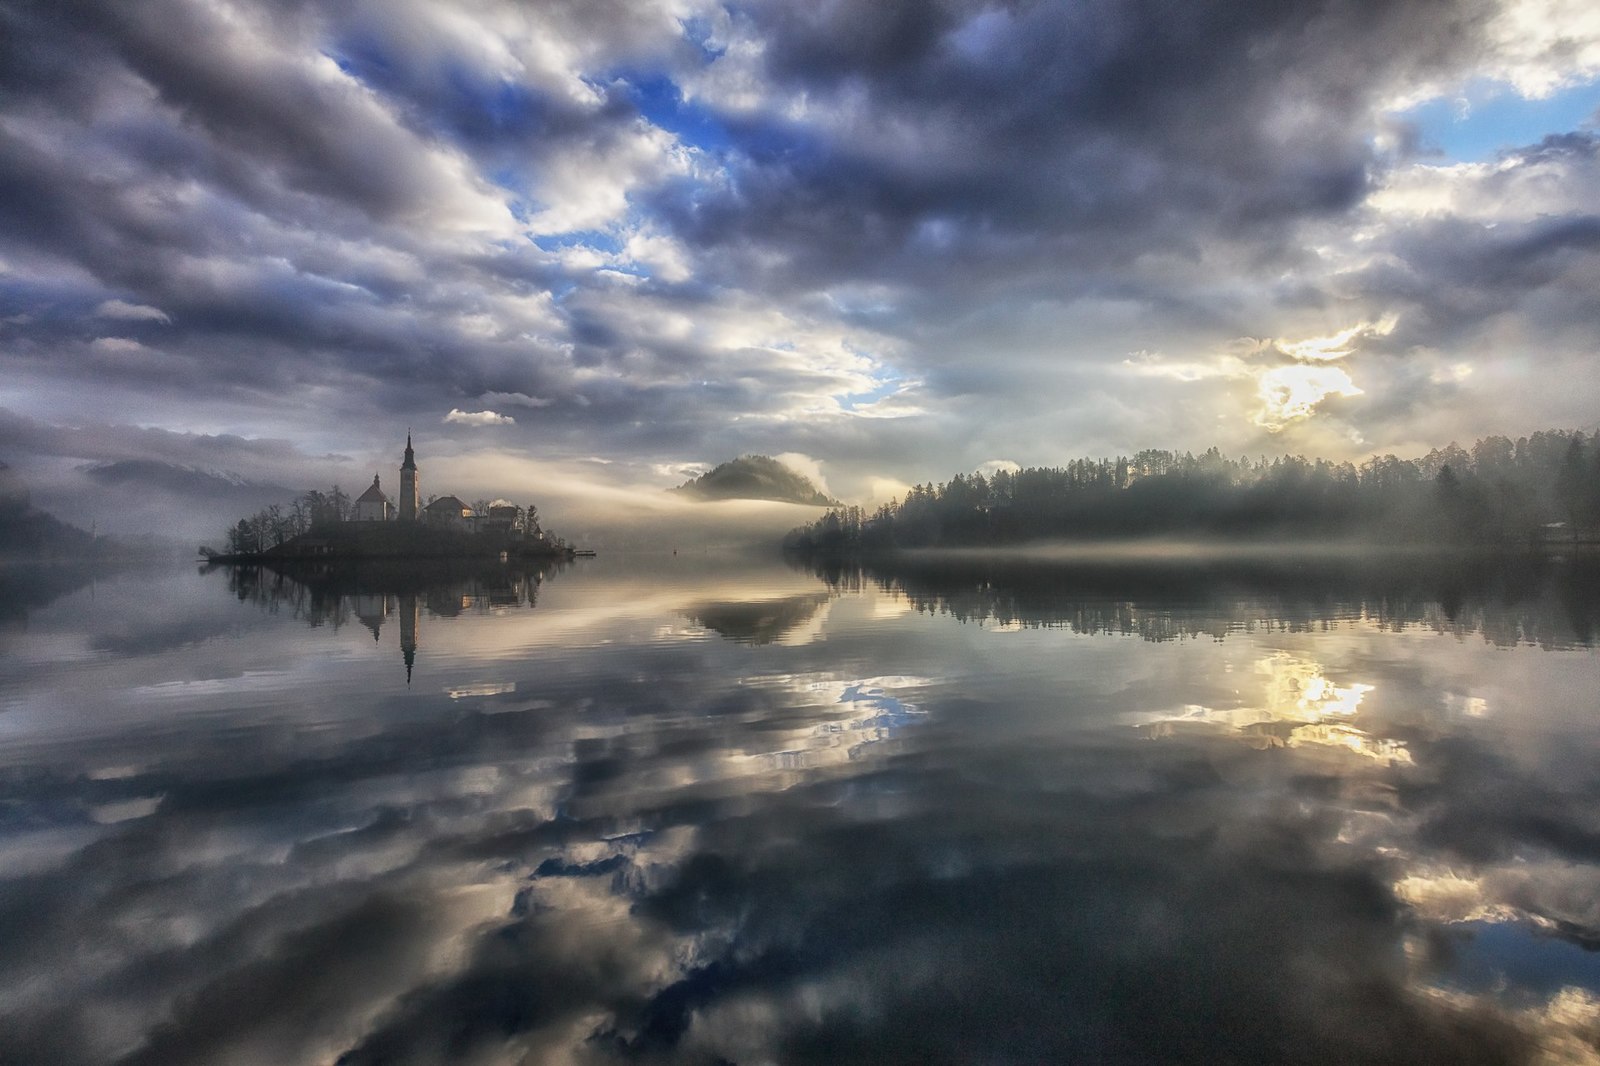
(1296, 706)
(901, 839)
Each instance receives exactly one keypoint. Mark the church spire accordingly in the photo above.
(410, 495)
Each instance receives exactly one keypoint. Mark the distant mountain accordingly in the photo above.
(27, 533)
(181, 480)
(128, 497)
(755, 477)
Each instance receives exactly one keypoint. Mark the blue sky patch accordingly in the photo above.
(659, 100)
(887, 386)
(1518, 957)
(584, 238)
(1488, 118)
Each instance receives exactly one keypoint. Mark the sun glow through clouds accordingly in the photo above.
(1291, 393)
(1336, 345)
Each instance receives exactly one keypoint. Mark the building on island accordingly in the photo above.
(373, 505)
(502, 518)
(409, 498)
(448, 511)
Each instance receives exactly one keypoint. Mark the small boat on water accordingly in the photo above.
(583, 553)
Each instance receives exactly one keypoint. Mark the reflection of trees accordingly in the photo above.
(1508, 601)
(758, 621)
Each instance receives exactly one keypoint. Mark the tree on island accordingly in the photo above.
(274, 525)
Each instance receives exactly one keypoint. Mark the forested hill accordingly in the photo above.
(28, 534)
(32, 535)
(1500, 492)
(755, 477)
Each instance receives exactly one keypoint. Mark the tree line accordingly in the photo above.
(1500, 492)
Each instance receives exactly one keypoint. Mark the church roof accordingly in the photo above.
(448, 505)
(373, 494)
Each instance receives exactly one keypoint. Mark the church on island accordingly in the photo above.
(331, 527)
(442, 512)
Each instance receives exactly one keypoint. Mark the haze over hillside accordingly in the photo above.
(756, 477)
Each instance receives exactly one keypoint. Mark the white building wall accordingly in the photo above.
(372, 512)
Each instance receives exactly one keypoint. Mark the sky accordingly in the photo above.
(584, 249)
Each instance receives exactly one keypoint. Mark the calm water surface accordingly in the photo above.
(697, 811)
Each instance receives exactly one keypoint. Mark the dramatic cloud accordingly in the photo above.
(900, 240)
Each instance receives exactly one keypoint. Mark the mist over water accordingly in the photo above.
(701, 809)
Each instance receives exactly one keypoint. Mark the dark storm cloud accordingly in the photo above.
(1457, 275)
(1086, 133)
(504, 123)
(265, 267)
(319, 137)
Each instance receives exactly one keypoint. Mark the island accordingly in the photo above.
(330, 527)
(755, 477)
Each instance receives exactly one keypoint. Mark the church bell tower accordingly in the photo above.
(408, 485)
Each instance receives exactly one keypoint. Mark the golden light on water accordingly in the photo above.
(1297, 706)
(1297, 690)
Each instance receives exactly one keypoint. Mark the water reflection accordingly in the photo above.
(734, 814)
(1553, 603)
(375, 593)
(1298, 705)
(761, 621)
(26, 587)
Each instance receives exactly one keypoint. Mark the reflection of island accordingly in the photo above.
(374, 593)
(757, 621)
(1507, 600)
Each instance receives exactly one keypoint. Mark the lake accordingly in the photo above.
(687, 809)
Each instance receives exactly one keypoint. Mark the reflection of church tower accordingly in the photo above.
(408, 628)
(408, 485)
(371, 611)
